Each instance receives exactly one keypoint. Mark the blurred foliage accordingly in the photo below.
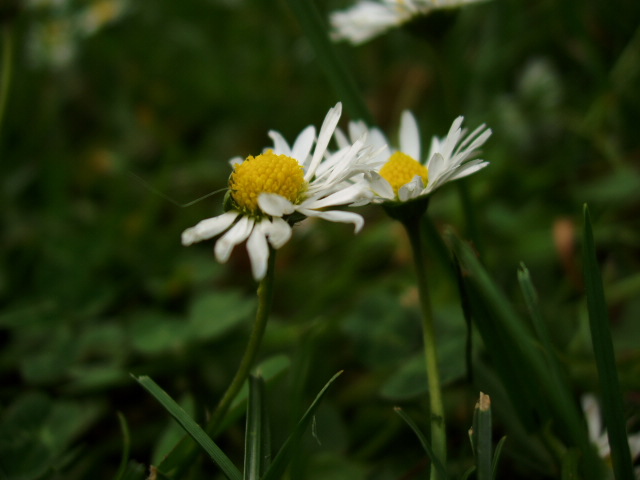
(112, 102)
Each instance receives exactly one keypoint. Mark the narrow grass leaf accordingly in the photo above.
(316, 31)
(612, 407)
(482, 437)
(467, 474)
(442, 472)
(536, 395)
(558, 374)
(254, 447)
(191, 427)
(282, 459)
(126, 446)
(496, 457)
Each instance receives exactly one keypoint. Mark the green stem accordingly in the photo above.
(265, 298)
(182, 456)
(7, 61)
(438, 433)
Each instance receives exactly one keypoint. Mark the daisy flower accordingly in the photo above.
(271, 191)
(369, 18)
(404, 177)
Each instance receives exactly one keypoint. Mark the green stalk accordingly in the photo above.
(181, 457)
(438, 434)
(265, 298)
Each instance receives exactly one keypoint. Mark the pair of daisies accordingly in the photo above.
(272, 191)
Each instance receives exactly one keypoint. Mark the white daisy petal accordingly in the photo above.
(209, 228)
(235, 161)
(337, 216)
(344, 196)
(409, 135)
(236, 234)
(304, 142)
(280, 145)
(274, 205)
(411, 190)
(279, 232)
(380, 185)
(258, 251)
(326, 132)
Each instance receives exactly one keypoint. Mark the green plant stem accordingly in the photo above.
(265, 298)
(7, 61)
(183, 455)
(438, 433)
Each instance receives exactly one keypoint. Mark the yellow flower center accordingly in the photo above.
(266, 173)
(400, 170)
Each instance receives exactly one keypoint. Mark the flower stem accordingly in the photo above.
(178, 461)
(265, 298)
(438, 433)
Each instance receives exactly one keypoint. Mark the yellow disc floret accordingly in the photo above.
(400, 170)
(266, 173)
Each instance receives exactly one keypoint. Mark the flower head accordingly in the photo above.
(405, 177)
(369, 18)
(271, 191)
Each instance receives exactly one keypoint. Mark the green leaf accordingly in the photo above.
(214, 314)
(192, 428)
(442, 472)
(612, 407)
(282, 459)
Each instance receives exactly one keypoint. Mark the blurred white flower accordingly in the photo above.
(269, 192)
(56, 35)
(404, 176)
(598, 435)
(369, 18)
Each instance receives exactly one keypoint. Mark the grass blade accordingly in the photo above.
(126, 446)
(257, 431)
(496, 457)
(612, 407)
(482, 437)
(442, 471)
(280, 462)
(538, 396)
(191, 427)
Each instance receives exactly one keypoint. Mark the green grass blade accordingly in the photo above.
(496, 457)
(612, 407)
(282, 459)
(126, 446)
(540, 327)
(191, 427)
(482, 437)
(536, 395)
(256, 445)
(314, 27)
(442, 471)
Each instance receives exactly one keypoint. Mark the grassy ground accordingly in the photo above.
(95, 285)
